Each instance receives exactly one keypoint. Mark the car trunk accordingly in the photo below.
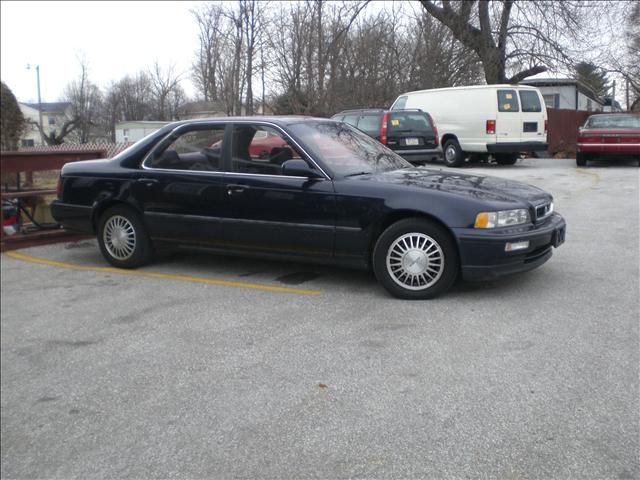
(410, 131)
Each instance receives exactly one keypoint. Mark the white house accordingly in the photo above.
(137, 130)
(54, 114)
(567, 93)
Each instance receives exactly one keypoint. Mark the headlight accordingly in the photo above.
(505, 218)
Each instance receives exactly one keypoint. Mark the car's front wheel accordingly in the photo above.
(123, 239)
(415, 259)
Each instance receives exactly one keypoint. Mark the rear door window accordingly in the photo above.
(370, 124)
(508, 101)
(408, 123)
(198, 149)
(530, 101)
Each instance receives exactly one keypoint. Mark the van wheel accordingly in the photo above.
(581, 159)
(123, 239)
(453, 154)
(506, 158)
(415, 259)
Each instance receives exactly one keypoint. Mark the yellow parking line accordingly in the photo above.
(165, 276)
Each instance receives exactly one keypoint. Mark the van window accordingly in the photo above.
(369, 124)
(530, 101)
(508, 101)
(400, 103)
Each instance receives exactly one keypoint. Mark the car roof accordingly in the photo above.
(276, 119)
(378, 110)
(474, 87)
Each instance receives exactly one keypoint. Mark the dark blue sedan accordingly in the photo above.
(307, 189)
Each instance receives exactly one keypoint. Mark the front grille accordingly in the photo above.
(544, 210)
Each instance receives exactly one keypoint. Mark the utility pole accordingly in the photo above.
(39, 103)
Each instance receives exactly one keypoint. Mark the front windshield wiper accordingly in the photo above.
(355, 174)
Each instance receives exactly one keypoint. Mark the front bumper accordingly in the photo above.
(516, 147)
(483, 255)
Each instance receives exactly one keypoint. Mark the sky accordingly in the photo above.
(117, 38)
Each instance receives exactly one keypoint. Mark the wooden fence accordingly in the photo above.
(562, 131)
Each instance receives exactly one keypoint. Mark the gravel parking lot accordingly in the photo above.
(183, 371)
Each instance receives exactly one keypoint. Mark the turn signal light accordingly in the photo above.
(546, 122)
(491, 127)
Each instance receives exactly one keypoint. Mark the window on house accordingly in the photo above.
(552, 100)
(28, 142)
(52, 120)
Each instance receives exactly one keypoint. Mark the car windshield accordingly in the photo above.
(346, 150)
(614, 121)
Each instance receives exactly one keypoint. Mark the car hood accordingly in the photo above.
(479, 187)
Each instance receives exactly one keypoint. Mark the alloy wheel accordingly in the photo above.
(415, 261)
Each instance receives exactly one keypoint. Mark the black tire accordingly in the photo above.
(452, 153)
(581, 159)
(134, 246)
(506, 158)
(438, 251)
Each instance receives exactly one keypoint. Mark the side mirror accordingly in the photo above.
(299, 168)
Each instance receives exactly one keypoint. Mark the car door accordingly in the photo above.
(180, 185)
(271, 212)
(508, 121)
(532, 116)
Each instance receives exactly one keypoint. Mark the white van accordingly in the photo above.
(501, 120)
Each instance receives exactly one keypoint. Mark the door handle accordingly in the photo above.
(148, 181)
(235, 188)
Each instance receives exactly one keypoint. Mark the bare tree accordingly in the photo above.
(163, 82)
(86, 103)
(524, 37)
(135, 96)
(252, 14)
(211, 33)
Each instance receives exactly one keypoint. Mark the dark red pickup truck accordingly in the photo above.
(614, 135)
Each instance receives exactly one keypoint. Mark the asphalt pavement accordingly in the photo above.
(193, 370)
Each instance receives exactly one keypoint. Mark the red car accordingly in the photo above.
(614, 135)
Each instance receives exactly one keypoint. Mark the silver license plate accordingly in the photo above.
(412, 141)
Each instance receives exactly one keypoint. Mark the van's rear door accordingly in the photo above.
(509, 120)
(532, 116)
(408, 130)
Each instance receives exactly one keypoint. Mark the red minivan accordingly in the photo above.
(609, 135)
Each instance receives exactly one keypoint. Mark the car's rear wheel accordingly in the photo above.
(415, 259)
(506, 158)
(581, 159)
(123, 239)
(453, 154)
